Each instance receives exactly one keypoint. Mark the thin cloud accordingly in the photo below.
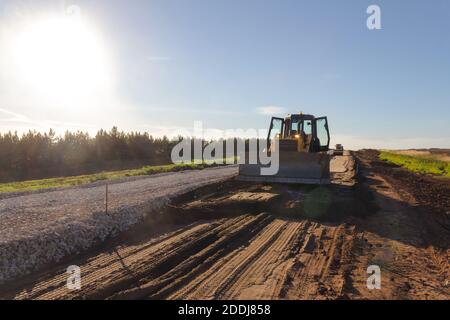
(13, 117)
(18, 122)
(203, 111)
(271, 110)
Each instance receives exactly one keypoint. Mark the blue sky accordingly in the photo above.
(224, 61)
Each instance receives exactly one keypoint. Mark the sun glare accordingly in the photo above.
(60, 58)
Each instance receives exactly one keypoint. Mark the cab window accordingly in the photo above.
(306, 126)
(322, 132)
(294, 128)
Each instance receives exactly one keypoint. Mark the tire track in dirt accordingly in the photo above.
(320, 270)
(250, 256)
(175, 278)
(261, 280)
(106, 265)
(228, 271)
(113, 270)
(287, 259)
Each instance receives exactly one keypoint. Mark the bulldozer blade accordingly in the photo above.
(294, 167)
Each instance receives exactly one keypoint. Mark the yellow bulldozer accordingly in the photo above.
(303, 141)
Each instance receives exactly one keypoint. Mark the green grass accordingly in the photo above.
(418, 164)
(107, 175)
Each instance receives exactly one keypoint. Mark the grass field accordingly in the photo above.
(420, 163)
(107, 175)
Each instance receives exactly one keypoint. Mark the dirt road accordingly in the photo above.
(242, 241)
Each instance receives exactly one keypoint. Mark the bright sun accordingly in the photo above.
(60, 57)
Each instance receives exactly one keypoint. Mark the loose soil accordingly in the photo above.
(237, 240)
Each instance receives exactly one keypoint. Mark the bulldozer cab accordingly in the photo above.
(300, 132)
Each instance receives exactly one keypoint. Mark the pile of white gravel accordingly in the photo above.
(38, 228)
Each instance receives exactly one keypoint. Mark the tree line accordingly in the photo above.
(35, 155)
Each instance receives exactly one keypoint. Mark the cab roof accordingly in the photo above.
(300, 116)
